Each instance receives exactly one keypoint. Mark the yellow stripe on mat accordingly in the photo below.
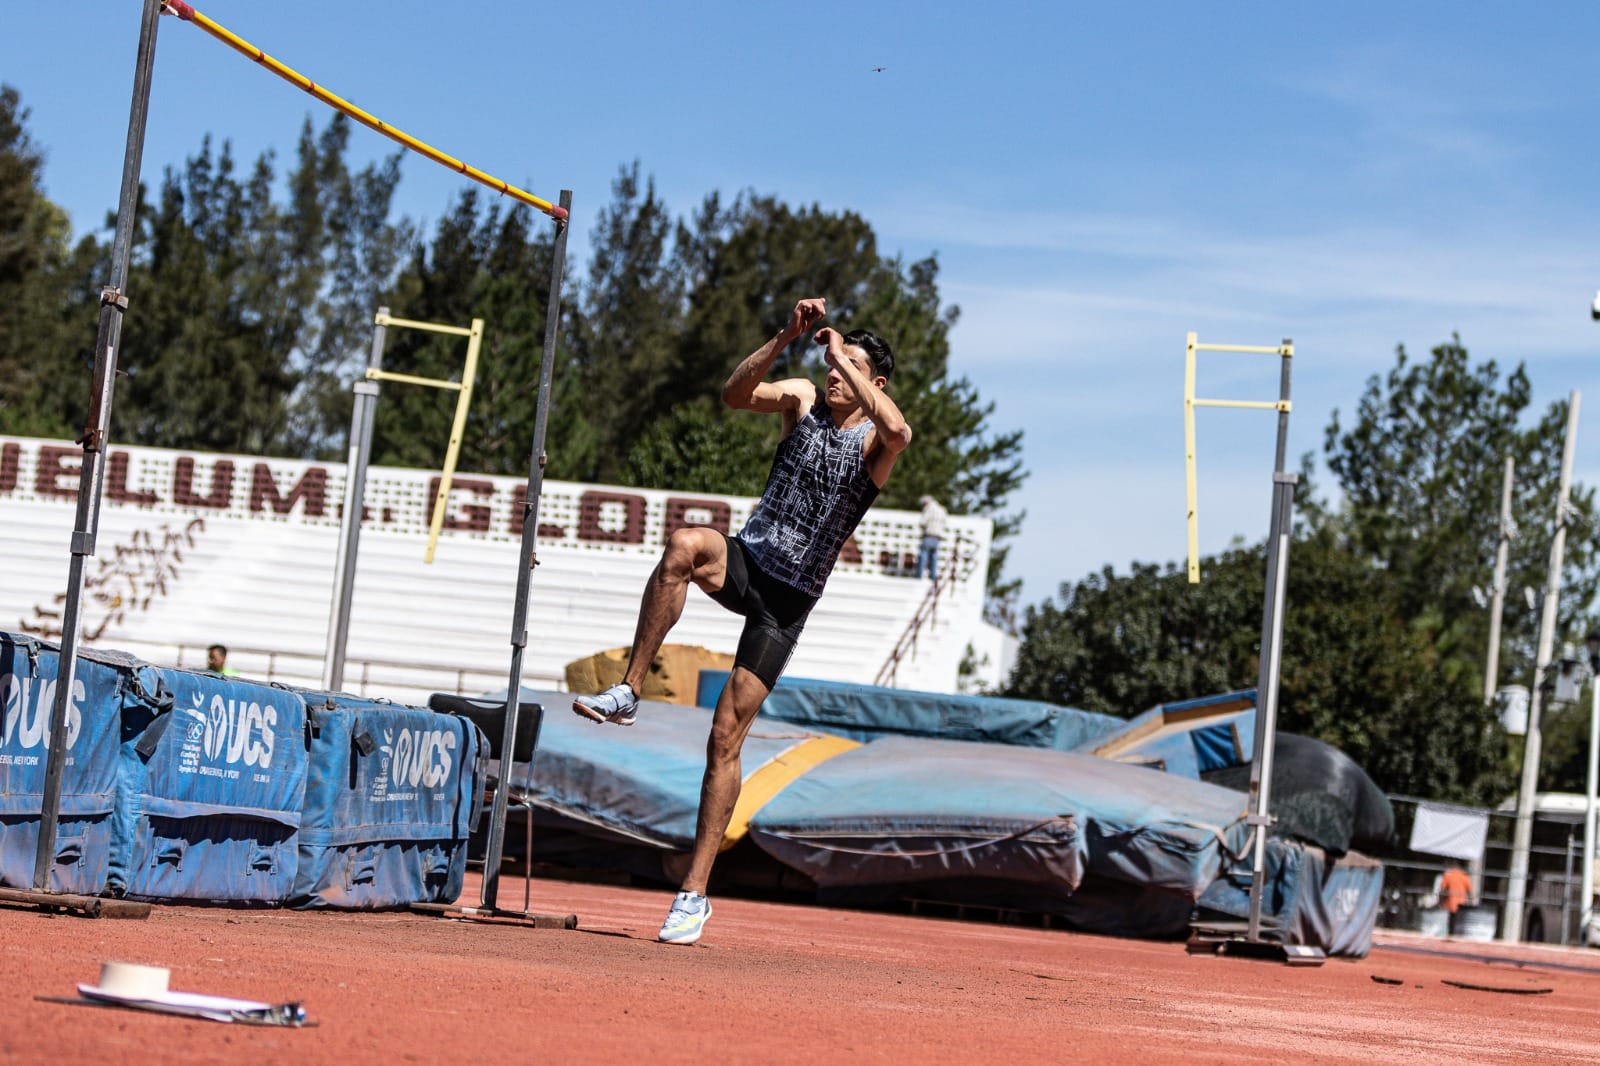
(777, 775)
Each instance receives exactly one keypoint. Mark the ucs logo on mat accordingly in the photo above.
(29, 702)
(233, 730)
(418, 757)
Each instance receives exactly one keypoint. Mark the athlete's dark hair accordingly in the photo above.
(877, 349)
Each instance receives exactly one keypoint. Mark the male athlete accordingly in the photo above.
(838, 446)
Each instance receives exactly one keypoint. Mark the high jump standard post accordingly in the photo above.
(355, 484)
(113, 304)
(561, 213)
(97, 423)
(1220, 936)
(527, 559)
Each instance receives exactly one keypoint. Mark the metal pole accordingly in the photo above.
(1191, 483)
(1266, 732)
(1491, 671)
(113, 303)
(527, 561)
(1586, 893)
(1522, 834)
(355, 492)
(1566, 889)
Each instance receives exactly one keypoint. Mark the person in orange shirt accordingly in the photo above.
(1455, 888)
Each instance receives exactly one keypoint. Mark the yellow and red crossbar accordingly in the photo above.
(187, 13)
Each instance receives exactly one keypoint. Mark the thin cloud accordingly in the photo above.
(1405, 111)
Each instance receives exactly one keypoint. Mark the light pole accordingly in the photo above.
(1592, 641)
(1508, 530)
(1527, 797)
(1586, 892)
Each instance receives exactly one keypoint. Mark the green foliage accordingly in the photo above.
(44, 351)
(1564, 745)
(246, 313)
(628, 337)
(1118, 645)
(697, 447)
(1420, 474)
(1361, 675)
(495, 265)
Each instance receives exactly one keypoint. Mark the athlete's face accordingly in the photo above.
(839, 392)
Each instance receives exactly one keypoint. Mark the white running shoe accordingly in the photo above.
(686, 919)
(617, 705)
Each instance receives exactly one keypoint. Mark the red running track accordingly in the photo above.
(771, 983)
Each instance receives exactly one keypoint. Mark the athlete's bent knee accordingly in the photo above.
(681, 554)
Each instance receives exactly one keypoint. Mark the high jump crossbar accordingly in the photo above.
(187, 13)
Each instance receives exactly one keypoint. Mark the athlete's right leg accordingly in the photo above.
(693, 553)
(696, 554)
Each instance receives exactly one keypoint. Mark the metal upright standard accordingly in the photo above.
(561, 214)
(355, 490)
(527, 560)
(1591, 799)
(1522, 832)
(97, 423)
(1252, 938)
(366, 402)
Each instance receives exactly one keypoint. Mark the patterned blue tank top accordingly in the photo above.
(818, 490)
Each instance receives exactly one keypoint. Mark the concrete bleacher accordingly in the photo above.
(255, 571)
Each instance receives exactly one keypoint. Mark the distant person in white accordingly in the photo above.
(838, 445)
(933, 520)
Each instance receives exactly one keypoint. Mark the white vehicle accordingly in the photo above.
(1553, 910)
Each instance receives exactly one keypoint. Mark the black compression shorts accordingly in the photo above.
(774, 614)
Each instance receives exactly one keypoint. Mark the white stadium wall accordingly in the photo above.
(197, 548)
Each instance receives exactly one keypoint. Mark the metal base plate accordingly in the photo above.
(87, 906)
(1233, 938)
(537, 921)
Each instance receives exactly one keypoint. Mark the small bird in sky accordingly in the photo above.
(879, 70)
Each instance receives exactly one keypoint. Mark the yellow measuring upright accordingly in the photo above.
(1190, 402)
(463, 389)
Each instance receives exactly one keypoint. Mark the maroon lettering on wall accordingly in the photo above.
(682, 511)
(474, 518)
(217, 499)
(519, 516)
(312, 488)
(851, 552)
(117, 483)
(10, 459)
(590, 507)
(905, 564)
(52, 469)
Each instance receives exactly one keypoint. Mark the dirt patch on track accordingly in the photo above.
(770, 982)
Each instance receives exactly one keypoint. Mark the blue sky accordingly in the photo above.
(1096, 180)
